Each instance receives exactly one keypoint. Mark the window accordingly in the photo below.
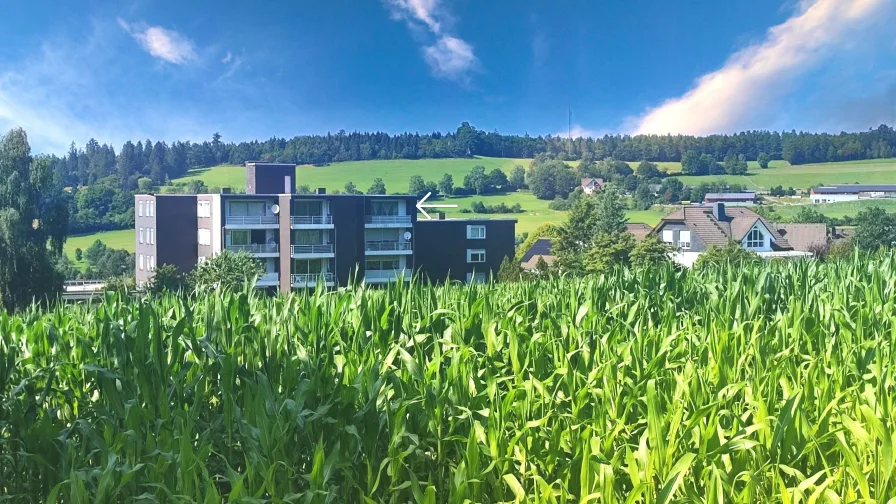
(476, 232)
(306, 208)
(475, 256)
(382, 264)
(205, 237)
(383, 208)
(204, 209)
(684, 240)
(152, 208)
(140, 235)
(755, 239)
(140, 208)
(668, 236)
(152, 236)
(153, 263)
(477, 277)
(140, 260)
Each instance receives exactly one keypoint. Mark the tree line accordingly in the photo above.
(160, 162)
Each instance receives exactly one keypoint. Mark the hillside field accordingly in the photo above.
(121, 239)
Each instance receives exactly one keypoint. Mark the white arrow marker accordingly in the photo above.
(420, 206)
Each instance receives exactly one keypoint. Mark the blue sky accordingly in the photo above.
(171, 70)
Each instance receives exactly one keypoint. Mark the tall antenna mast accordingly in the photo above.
(569, 130)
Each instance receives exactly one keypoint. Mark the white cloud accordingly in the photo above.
(449, 57)
(168, 45)
(227, 58)
(72, 91)
(754, 79)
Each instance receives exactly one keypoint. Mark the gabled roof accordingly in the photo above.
(804, 237)
(737, 223)
(599, 182)
(638, 229)
(541, 247)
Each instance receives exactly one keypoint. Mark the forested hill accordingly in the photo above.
(160, 161)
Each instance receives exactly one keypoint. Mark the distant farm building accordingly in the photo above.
(591, 185)
(731, 199)
(852, 192)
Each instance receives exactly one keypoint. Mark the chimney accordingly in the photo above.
(321, 190)
(287, 185)
(718, 211)
(225, 190)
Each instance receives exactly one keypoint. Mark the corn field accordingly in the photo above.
(772, 383)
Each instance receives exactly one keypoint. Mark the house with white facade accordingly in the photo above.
(591, 185)
(851, 192)
(692, 230)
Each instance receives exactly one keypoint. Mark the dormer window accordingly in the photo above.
(755, 239)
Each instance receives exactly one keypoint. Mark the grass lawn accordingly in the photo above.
(121, 239)
(875, 171)
(839, 210)
(396, 173)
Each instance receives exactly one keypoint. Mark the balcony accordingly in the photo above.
(268, 279)
(388, 248)
(383, 276)
(257, 249)
(313, 251)
(311, 222)
(312, 279)
(252, 221)
(387, 221)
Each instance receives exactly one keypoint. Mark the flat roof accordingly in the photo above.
(311, 195)
(854, 188)
(740, 195)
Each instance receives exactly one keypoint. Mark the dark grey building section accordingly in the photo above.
(270, 178)
(176, 234)
(441, 247)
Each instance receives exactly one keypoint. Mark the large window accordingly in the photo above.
(150, 208)
(475, 256)
(477, 277)
(382, 264)
(684, 240)
(308, 208)
(476, 232)
(205, 237)
(247, 208)
(140, 261)
(152, 236)
(241, 237)
(384, 208)
(755, 239)
(140, 208)
(204, 209)
(140, 235)
(668, 236)
(307, 237)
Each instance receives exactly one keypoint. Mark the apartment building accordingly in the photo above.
(303, 240)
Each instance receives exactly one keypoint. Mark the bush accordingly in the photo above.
(228, 270)
(730, 254)
(79, 254)
(500, 208)
(167, 278)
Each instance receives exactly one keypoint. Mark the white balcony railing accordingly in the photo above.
(388, 219)
(385, 246)
(256, 248)
(268, 277)
(312, 278)
(387, 274)
(311, 220)
(252, 220)
(312, 249)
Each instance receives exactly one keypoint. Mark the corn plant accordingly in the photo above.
(767, 383)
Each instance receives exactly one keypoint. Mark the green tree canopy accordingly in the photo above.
(378, 186)
(32, 213)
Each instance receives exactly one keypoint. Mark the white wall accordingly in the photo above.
(832, 198)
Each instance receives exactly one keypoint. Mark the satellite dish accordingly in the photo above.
(275, 209)
(407, 235)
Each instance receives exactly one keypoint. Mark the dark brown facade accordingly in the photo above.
(442, 248)
(270, 178)
(166, 233)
